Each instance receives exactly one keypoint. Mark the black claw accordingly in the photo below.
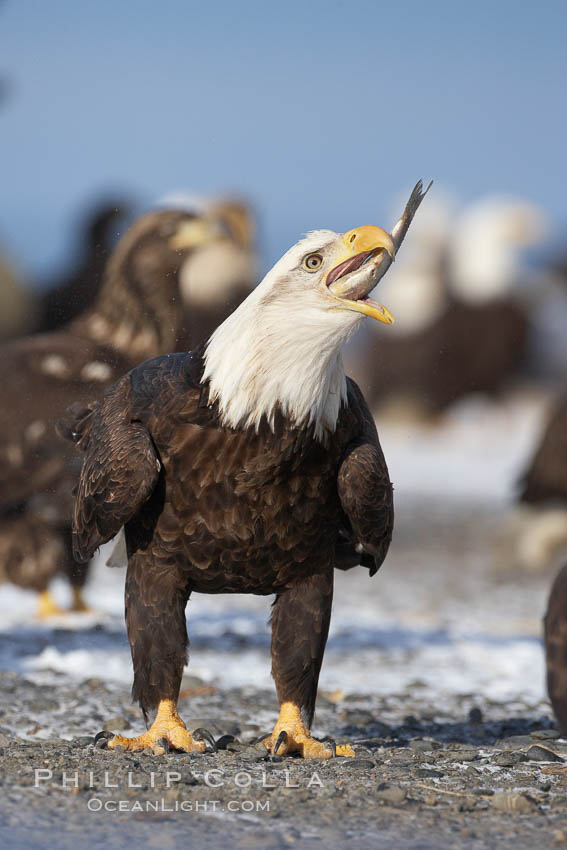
(103, 736)
(104, 733)
(225, 741)
(282, 739)
(333, 745)
(163, 742)
(204, 735)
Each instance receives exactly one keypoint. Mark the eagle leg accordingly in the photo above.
(77, 575)
(291, 735)
(47, 606)
(156, 597)
(32, 552)
(300, 625)
(168, 731)
(78, 604)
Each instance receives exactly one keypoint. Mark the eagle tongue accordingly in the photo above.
(350, 265)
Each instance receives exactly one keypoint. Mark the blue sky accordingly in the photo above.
(320, 112)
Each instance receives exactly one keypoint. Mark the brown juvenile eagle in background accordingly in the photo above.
(239, 467)
(143, 309)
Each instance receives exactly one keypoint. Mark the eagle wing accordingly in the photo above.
(120, 469)
(365, 492)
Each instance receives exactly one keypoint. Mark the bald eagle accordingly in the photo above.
(240, 467)
(142, 310)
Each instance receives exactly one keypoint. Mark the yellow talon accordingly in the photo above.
(47, 606)
(291, 735)
(168, 725)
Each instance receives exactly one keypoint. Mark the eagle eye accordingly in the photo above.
(312, 262)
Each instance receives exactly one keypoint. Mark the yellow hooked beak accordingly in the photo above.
(194, 232)
(369, 237)
(361, 244)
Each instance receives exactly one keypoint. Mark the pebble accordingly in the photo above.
(355, 697)
(249, 732)
(545, 734)
(40, 705)
(466, 804)
(421, 745)
(357, 764)
(539, 753)
(429, 773)
(512, 802)
(514, 742)
(390, 794)
(508, 759)
(252, 754)
(83, 741)
(465, 755)
(357, 717)
(93, 684)
(116, 724)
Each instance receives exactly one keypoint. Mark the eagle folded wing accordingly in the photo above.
(349, 555)
(119, 473)
(366, 493)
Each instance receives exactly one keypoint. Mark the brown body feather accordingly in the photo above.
(212, 509)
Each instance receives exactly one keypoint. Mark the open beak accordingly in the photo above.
(355, 276)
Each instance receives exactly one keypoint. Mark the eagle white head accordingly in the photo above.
(281, 348)
(486, 254)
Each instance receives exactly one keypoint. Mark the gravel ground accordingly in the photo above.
(485, 776)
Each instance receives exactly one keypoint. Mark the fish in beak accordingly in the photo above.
(355, 276)
(369, 252)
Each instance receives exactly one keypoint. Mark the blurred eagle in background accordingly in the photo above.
(143, 309)
(462, 295)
